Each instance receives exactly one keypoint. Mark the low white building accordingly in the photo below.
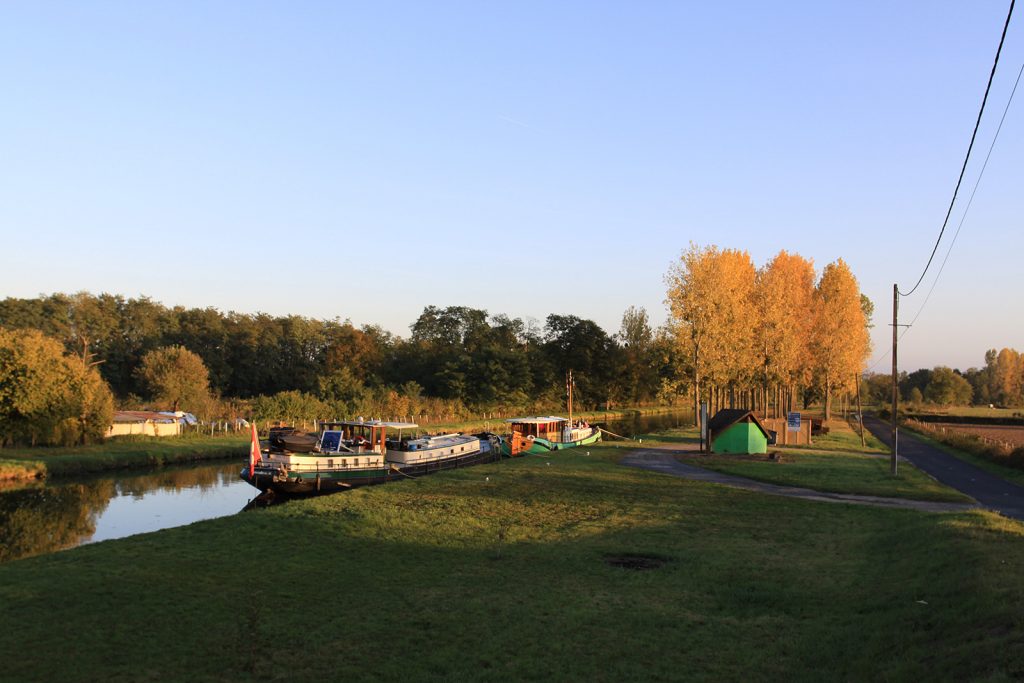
(149, 423)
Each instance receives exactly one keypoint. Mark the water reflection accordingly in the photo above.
(42, 518)
(646, 424)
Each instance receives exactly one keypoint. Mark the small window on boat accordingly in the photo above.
(330, 462)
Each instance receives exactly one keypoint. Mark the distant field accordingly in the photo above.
(1004, 433)
(971, 411)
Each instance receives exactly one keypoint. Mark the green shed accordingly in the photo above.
(737, 431)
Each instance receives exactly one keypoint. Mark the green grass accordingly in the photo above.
(835, 472)
(133, 452)
(965, 411)
(453, 577)
(814, 467)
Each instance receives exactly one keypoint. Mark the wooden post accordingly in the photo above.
(860, 414)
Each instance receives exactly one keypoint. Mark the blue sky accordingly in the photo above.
(364, 160)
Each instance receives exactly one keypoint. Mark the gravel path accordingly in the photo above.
(663, 460)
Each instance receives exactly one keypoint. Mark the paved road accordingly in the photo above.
(991, 491)
(663, 460)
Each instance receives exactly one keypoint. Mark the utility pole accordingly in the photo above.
(895, 379)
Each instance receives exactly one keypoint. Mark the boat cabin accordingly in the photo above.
(549, 428)
(359, 436)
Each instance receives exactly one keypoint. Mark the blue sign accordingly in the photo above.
(793, 422)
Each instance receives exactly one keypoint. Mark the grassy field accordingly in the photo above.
(133, 452)
(509, 571)
(966, 411)
(843, 470)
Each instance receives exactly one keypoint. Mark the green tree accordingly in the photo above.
(947, 388)
(175, 377)
(47, 396)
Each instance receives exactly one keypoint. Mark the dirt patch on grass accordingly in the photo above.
(635, 561)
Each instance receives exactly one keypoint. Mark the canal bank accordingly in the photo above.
(41, 516)
(152, 452)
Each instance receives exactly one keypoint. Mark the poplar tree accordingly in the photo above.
(710, 299)
(839, 340)
(784, 296)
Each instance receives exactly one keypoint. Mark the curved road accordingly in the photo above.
(988, 489)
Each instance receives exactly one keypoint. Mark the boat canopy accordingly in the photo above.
(537, 420)
(369, 423)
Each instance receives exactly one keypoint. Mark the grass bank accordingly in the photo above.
(840, 470)
(118, 453)
(513, 571)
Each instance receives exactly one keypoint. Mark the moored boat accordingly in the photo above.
(543, 434)
(360, 453)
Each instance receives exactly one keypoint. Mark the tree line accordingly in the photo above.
(736, 334)
(456, 360)
(1000, 382)
(775, 335)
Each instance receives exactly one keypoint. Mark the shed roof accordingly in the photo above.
(727, 417)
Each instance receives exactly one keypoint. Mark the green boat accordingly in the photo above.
(543, 434)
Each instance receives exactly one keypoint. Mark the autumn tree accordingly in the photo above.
(47, 396)
(710, 299)
(784, 296)
(839, 338)
(174, 377)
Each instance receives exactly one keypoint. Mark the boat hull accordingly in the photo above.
(543, 446)
(315, 483)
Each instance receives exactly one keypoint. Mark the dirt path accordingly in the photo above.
(663, 460)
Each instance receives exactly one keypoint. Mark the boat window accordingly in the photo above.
(330, 462)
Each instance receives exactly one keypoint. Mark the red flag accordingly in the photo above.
(254, 451)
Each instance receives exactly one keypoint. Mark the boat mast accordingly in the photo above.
(568, 383)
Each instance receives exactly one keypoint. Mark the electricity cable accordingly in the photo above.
(956, 234)
(969, 201)
(963, 168)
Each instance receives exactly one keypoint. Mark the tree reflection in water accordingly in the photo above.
(40, 518)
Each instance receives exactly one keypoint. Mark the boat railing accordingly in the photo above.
(345, 463)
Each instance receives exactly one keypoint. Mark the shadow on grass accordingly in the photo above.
(509, 579)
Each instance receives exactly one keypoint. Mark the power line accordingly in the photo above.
(969, 201)
(885, 356)
(963, 168)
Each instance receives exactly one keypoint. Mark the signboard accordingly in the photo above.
(793, 422)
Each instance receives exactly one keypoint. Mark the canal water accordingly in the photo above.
(49, 516)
